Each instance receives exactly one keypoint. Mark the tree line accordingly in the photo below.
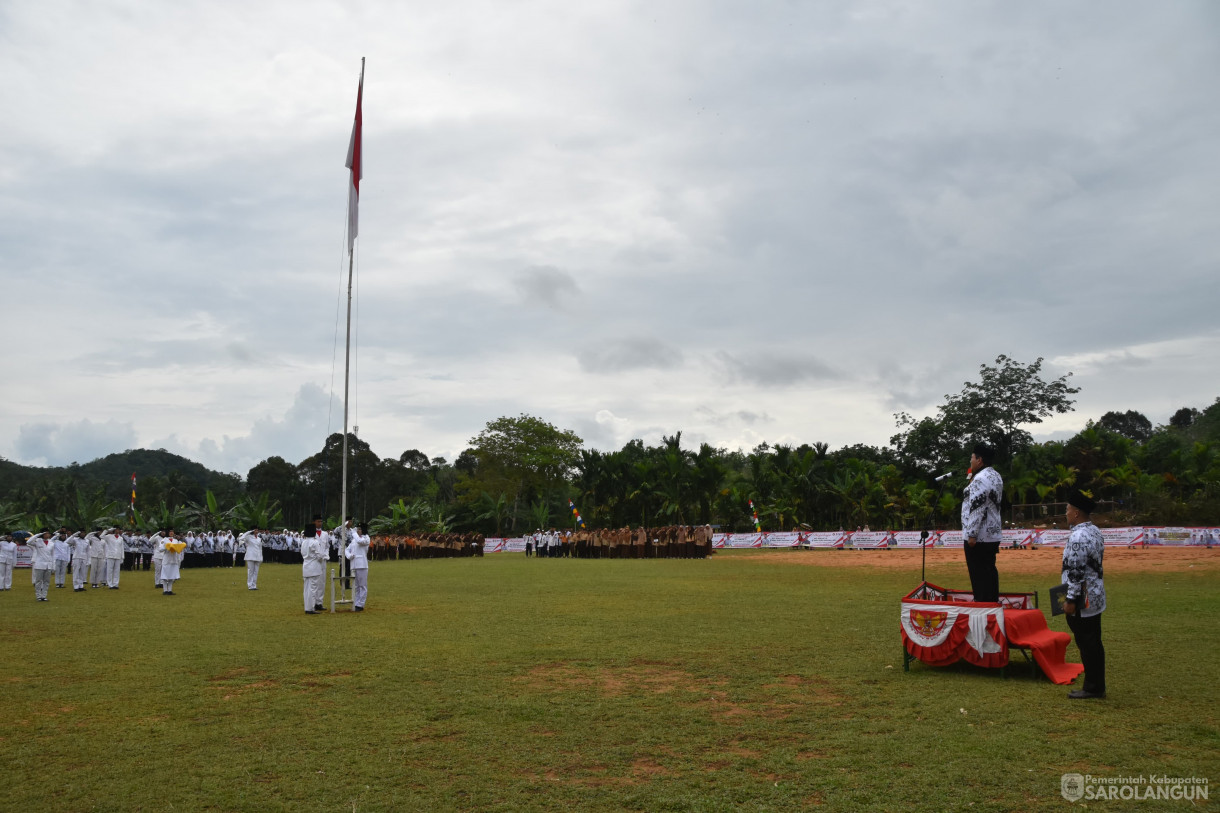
(523, 473)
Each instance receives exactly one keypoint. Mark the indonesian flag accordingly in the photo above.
(353, 163)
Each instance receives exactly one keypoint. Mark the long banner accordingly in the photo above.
(862, 540)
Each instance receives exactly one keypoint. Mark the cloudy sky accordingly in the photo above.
(763, 221)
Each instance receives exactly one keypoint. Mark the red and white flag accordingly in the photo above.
(353, 163)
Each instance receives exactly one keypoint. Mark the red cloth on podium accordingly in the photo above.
(1027, 629)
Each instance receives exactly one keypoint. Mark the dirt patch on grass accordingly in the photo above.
(807, 688)
(612, 681)
(1042, 560)
(646, 768)
(808, 755)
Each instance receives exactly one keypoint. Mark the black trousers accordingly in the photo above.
(1092, 653)
(984, 578)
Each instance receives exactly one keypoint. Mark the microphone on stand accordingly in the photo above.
(944, 476)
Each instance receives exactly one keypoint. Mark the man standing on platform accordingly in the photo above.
(982, 529)
(1086, 594)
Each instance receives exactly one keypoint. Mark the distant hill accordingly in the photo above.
(156, 467)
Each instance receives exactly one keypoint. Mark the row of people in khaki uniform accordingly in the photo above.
(666, 542)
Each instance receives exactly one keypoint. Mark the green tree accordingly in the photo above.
(494, 510)
(1130, 424)
(995, 409)
(525, 458)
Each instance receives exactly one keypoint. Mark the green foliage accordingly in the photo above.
(262, 513)
(995, 409)
(1171, 476)
(1130, 424)
(528, 453)
(415, 517)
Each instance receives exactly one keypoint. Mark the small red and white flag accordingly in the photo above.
(353, 163)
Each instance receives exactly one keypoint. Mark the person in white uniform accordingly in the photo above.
(158, 557)
(97, 560)
(325, 540)
(313, 566)
(63, 555)
(44, 563)
(357, 553)
(173, 551)
(254, 557)
(80, 562)
(8, 560)
(113, 542)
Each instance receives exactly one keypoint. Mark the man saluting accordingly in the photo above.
(982, 530)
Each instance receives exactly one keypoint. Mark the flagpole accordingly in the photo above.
(347, 358)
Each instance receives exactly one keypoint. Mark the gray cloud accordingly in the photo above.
(546, 286)
(769, 369)
(741, 417)
(625, 355)
(58, 444)
(298, 434)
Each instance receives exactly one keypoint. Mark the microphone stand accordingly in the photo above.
(923, 537)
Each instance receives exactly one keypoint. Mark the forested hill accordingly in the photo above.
(158, 473)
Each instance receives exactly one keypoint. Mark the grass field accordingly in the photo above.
(738, 683)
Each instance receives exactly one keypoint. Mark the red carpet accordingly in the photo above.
(1027, 628)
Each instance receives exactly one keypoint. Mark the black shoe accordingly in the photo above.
(318, 608)
(1085, 694)
(359, 609)
(311, 612)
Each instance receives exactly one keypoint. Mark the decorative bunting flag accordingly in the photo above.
(576, 514)
(754, 513)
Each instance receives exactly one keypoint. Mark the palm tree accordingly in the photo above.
(1062, 477)
(706, 479)
(495, 509)
(672, 479)
(1123, 478)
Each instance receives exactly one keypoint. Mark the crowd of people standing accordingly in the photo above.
(666, 542)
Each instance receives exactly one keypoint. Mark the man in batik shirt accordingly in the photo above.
(1086, 594)
(982, 530)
